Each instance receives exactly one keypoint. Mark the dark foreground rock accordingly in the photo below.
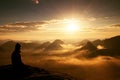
(9, 72)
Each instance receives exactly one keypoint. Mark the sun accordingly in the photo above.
(72, 25)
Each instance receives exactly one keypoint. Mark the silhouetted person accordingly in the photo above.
(16, 57)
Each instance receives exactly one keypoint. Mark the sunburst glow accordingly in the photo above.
(72, 25)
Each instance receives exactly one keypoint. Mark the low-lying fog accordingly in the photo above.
(98, 68)
(83, 61)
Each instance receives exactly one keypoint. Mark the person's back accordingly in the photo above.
(16, 57)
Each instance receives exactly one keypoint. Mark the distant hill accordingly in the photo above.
(31, 45)
(88, 46)
(43, 45)
(7, 47)
(83, 42)
(55, 45)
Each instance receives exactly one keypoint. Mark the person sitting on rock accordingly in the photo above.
(16, 57)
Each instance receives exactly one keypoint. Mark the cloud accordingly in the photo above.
(109, 28)
(116, 26)
(21, 27)
(91, 19)
(29, 26)
(56, 25)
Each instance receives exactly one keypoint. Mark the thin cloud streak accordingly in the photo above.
(21, 27)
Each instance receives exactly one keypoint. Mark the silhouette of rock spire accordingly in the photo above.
(16, 57)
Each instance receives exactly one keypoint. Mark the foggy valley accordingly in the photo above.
(84, 60)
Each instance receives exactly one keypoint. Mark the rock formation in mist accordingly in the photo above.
(112, 48)
(112, 43)
(55, 45)
(97, 42)
(88, 46)
(83, 42)
(43, 45)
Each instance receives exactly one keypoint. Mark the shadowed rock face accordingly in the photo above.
(88, 46)
(9, 72)
(112, 46)
(112, 43)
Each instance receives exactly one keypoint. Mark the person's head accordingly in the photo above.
(17, 46)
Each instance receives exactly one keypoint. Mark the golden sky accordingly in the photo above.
(71, 28)
(61, 19)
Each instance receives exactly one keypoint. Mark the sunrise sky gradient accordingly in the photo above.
(50, 19)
